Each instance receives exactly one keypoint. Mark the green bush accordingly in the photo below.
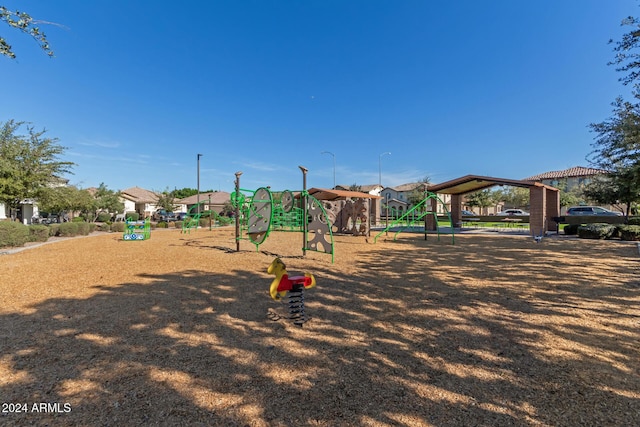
(596, 231)
(118, 227)
(84, 228)
(225, 220)
(204, 222)
(634, 220)
(630, 232)
(133, 216)
(54, 230)
(571, 229)
(38, 233)
(105, 226)
(161, 224)
(69, 229)
(103, 217)
(13, 233)
(78, 219)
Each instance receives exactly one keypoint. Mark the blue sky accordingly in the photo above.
(137, 89)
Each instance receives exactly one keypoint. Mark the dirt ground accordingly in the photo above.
(176, 330)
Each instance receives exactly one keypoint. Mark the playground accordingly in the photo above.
(180, 329)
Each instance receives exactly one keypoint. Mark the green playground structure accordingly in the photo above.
(192, 219)
(137, 229)
(417, 214)
(260, 212)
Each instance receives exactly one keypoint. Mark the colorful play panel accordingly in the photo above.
(137, 229)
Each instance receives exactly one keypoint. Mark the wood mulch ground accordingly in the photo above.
(176, 330)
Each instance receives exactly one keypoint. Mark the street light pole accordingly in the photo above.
(334, 166)
(237, 205)
(380, 167)
(198, 196)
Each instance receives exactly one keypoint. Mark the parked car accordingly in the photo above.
(591, 210)
(180, 216)
(468, 213)
(163, 215)
(508, 212)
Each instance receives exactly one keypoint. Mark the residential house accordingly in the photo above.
(398, 198)
(29, 207)
(213, 201)
(139, 200)
(576, 176)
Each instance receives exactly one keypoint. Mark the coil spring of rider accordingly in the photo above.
(296, 305)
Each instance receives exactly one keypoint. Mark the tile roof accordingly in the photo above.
(409, 187)
(575, 171)
(217, 198)
(140, 195)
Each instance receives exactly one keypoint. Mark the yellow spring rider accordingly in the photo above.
(294, 286)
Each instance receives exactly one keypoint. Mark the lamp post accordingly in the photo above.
(305, 200)
(198, 196)
(237, 214)
(334, 166)
(380, 167)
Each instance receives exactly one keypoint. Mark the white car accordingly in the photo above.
(508, 212)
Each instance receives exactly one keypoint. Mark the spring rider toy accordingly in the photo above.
(294, 286)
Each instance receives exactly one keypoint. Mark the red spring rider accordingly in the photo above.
(294, 286)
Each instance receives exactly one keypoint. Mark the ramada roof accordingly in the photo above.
(575, 171)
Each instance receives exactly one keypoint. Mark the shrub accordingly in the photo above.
(225, 220)
(69, 229)
(84, 228)
(634, 220)
(179, 224)
(78, 219)
(133, 216)
(204, 222)
(571, 229)
(38, 233)
(103, 217)
(13, 233)
(630, 232)
(596, 231)
(161, 224)
(105, 226)
(54, 230)
(118, 227)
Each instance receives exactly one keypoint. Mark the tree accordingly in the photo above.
(513, 197)
(482, 199)
(67, 199)
(228, 209)
(184, 192)
(571, 197)
(417, 195)
(108, 200)
(166, 200)
(355, 187)
(29, 164)
(617, 150)
(25, 23)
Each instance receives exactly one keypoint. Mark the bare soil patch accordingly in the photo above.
(494, 330)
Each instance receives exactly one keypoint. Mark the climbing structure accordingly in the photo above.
(416, 214)
(260, 213)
